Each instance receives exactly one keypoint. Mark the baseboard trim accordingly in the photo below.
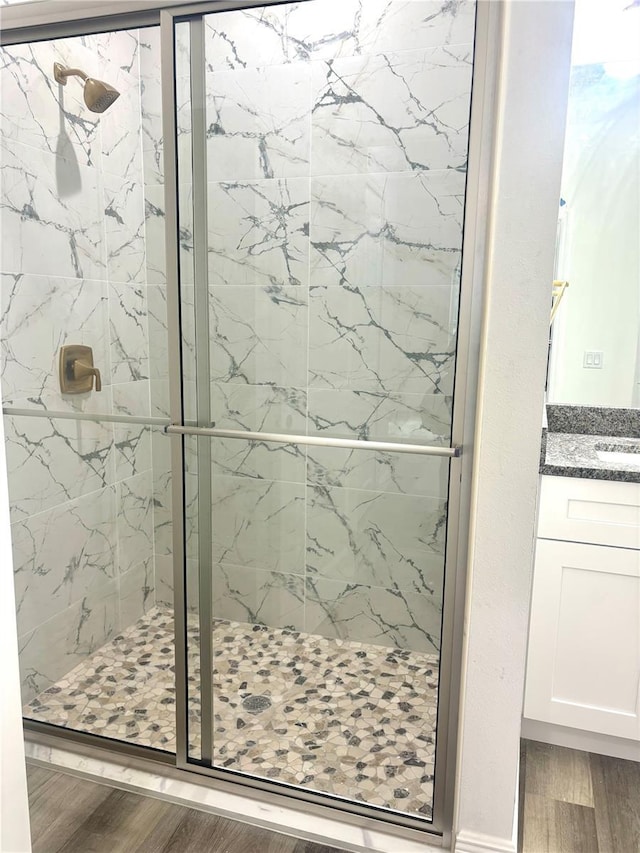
(476, 842)
(616, 747)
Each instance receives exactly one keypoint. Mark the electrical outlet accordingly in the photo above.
(593, 359)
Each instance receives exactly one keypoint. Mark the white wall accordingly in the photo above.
(526, 188)
(14, 814)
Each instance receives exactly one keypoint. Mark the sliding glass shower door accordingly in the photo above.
(317, 153)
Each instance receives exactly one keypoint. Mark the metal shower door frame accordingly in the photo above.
(488, 23)
(20, 26)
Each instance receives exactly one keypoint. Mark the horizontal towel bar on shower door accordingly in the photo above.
(74, 415)
(316, 440)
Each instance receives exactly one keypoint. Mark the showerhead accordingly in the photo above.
(98, 96)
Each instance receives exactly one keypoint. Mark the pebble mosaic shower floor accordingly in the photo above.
(351, 719)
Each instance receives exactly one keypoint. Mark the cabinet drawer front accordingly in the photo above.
(583, 667)
(598, 511)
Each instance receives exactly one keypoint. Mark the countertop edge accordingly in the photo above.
(590, 473)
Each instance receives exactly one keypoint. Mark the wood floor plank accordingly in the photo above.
(558, 773)
(551, 826)
(56, 804)
(200, 831)
(37, 778)
(120, 823)
(616, 791)
(521, 794)
(72, 815)
(313, 847)
(575, 828)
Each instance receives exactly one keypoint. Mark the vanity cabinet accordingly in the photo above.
(583, 667)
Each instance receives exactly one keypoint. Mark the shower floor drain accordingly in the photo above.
(255, 704)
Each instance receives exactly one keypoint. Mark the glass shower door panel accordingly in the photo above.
(336, 147)
(327, 606)
(79, 269)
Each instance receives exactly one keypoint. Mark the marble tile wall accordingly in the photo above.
(74, 270)
(336, 155)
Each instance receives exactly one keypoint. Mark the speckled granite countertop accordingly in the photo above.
(577, 455)
(578, 435)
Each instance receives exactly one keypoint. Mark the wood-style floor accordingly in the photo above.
(71, 815)
(570, 802)
(577, 802)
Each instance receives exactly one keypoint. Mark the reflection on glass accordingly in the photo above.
(595, 351)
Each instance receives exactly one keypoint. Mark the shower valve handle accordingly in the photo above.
(82, 370)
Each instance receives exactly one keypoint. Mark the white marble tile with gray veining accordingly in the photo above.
(124, 221)
(259, 335)
(41, 114)
(164, 583)
(51, 215)
(377, 539)
(149, 46)
(251, 38)
(52, 461)
(393, 229)
(136, 594)
(158, 340)
(259, 232)
(132, 442)
(40, 314)
(152, 127)
(333, 28)
(159, 349)
(191, 504)
(402, 473)
(379, 416)
(163, 579)
(134, 520)
(152, 139)
(258, 597)
(151, 106)
(385, 617)
(56, 646)
(61, 554)
(258, 123)
(128, 332)
(391, 112)
(339, 28)
(382, 339)
(259, 408)
(154, 234)
(258, 524)
(161, 491)
(117, 55)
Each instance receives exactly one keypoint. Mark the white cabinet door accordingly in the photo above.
(583, 668)
(599, 511)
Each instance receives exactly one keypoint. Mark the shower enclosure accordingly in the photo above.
(243, 550)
